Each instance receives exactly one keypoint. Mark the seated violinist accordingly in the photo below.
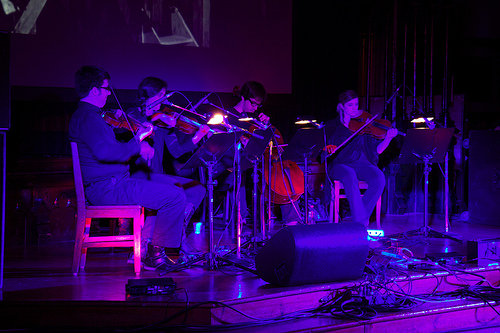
(357, 159)
(150, 90)
(105, 171)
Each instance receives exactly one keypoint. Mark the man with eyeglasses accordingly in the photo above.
(250, 99)
(105, 170)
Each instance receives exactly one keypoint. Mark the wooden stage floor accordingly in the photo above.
(40, 292)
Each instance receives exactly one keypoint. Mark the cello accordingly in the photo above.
(285, 179)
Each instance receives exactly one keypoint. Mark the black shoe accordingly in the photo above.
(157, 259)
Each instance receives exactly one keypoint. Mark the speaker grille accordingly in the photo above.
(307, 254)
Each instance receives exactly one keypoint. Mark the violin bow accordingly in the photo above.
(124, 114)
(353, 135)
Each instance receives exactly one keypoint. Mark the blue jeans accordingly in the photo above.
(167, 199)
(349, 175)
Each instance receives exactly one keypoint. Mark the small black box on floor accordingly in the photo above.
(306, 254)
(486, 251)
(154, 286)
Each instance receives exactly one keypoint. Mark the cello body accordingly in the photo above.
(285, 183)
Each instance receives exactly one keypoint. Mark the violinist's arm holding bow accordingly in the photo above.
(171, 121)
(391, 133)
(99, 139)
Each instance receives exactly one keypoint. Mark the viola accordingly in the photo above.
(377, 128)
(127, 122)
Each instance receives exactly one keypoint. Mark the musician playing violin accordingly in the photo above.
(356, 160)
(150, 90)
(105, 171)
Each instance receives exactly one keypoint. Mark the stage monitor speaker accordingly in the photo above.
(484, 177)
(4, 80)
(318, 253)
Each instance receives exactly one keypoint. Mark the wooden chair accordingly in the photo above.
(85, 214)
(335, 205)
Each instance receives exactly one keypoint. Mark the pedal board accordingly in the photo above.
(153, 286)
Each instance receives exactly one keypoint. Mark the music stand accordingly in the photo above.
(250, 156)
(425, 146)
(306, 143)
(208, 155)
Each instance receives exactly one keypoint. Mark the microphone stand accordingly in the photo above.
(164, 100)
(237, 197)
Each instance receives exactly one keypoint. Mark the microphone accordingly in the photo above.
(161, 100)
(200, 102)
(390, 98)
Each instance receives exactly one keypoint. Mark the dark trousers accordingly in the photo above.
(167, 199)
(361, 206)
(194, 191)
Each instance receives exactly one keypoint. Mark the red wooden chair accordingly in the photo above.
(85, 214)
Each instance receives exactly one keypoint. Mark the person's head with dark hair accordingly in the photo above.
(348, 105)
(251, 96)
(151, 88)
(92, 85)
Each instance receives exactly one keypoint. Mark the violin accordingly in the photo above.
(377, 128)
(127, 122)
(363, 124)
(186, 124)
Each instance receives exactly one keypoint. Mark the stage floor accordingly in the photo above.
(38, 278)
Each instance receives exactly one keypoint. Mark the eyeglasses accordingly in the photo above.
(107, 88)
(255, 104)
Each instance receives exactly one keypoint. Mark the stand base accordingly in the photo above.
(240, 263)
(427, 232)
(226, 258)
